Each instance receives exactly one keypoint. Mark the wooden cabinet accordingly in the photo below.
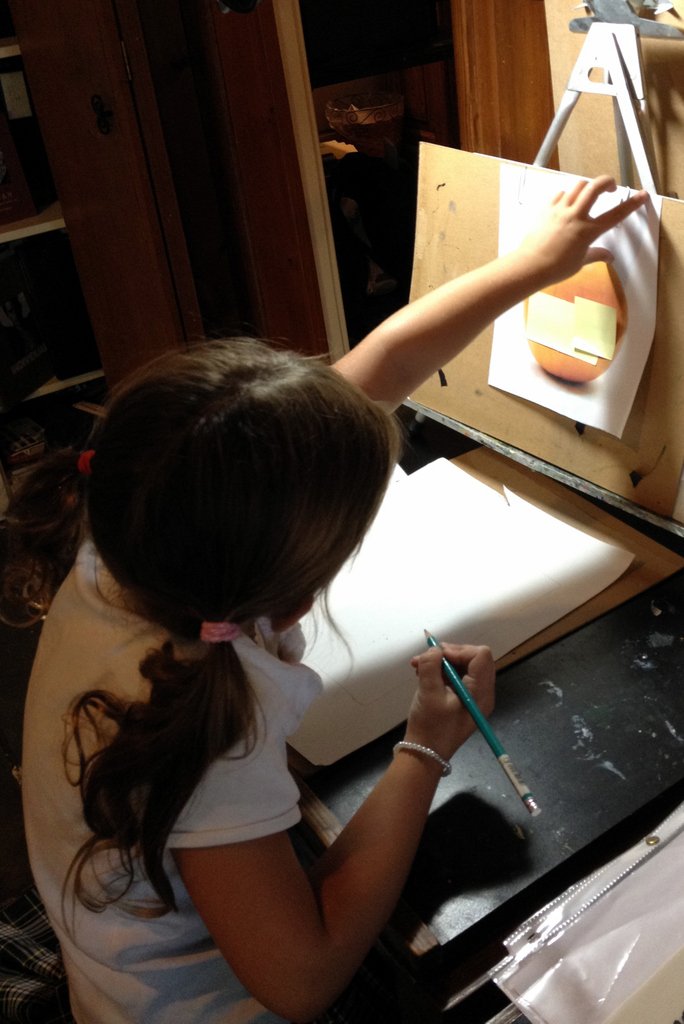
(170, 140)
(122, 224)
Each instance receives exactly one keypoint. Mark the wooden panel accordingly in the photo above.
(587, 145)
(195, 189)
(430, 103)
(503, 82)
(72, 52)
(263, 167)
(461, 233)
(130, 15)
(652, 562)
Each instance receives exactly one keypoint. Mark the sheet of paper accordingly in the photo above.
(551, 321)
(452, 555)
(595, 328)
(606, 402)
(660, 1000)
(574, 328)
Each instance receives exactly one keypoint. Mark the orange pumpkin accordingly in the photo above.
(600, 283)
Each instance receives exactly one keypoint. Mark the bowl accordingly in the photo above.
(372, 121)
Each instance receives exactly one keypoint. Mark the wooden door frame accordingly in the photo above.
(293, 55)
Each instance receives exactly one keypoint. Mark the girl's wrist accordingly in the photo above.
(423, 752)
(532, 269)
(445, 747)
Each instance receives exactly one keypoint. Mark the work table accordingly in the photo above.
(595, 723)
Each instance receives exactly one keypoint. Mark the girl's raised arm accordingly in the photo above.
(396, 357)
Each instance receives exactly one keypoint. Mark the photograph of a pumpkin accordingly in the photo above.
(574, 328)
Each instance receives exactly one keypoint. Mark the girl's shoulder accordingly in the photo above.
(90, 639)
(283, 689)
(248, 792)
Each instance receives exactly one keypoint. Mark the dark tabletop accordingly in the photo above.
(595, 725)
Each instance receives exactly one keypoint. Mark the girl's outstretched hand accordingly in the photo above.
(437, 718)
(563, 240)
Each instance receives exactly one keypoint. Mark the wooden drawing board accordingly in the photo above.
(457, 230)
(652, 562)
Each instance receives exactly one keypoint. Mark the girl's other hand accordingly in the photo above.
(563, 241)
(437, 717)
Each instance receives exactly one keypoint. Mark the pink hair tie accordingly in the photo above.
(219, 632)
(83, 463)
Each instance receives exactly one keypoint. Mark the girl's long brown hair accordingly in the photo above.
(230, 481)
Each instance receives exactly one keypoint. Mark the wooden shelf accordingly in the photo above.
(61, 385)
(9, 47)
(49, 219)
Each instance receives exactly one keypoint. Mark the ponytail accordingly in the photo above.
(44, 527)
(196, 711)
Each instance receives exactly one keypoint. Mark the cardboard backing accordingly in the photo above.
(457, 230)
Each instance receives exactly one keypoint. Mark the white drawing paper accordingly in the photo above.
(449, 554)
(606, 402)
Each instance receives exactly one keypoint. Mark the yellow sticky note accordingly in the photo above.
(595, 328)
(551, 322)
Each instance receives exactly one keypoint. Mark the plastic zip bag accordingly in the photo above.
(609, 950)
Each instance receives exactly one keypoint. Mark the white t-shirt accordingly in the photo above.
(124, 968)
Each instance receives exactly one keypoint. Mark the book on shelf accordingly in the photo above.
(54, 293)
(25, 362)
(16, 201)
(26, 183)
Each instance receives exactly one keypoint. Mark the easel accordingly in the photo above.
(640, 471)
(616, 50)
(604, 467)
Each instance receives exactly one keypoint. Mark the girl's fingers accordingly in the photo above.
(573, 195)
(584, 194)
(587, 192)
(466, 659)
(612, 217)
(429, 668)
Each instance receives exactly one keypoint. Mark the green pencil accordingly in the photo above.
(463, 693)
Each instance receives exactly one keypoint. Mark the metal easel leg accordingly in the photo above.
(562, 115)
(624, 152)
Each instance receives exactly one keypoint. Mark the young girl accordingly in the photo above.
(224, 489)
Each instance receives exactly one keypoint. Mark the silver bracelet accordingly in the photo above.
(418, 748)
